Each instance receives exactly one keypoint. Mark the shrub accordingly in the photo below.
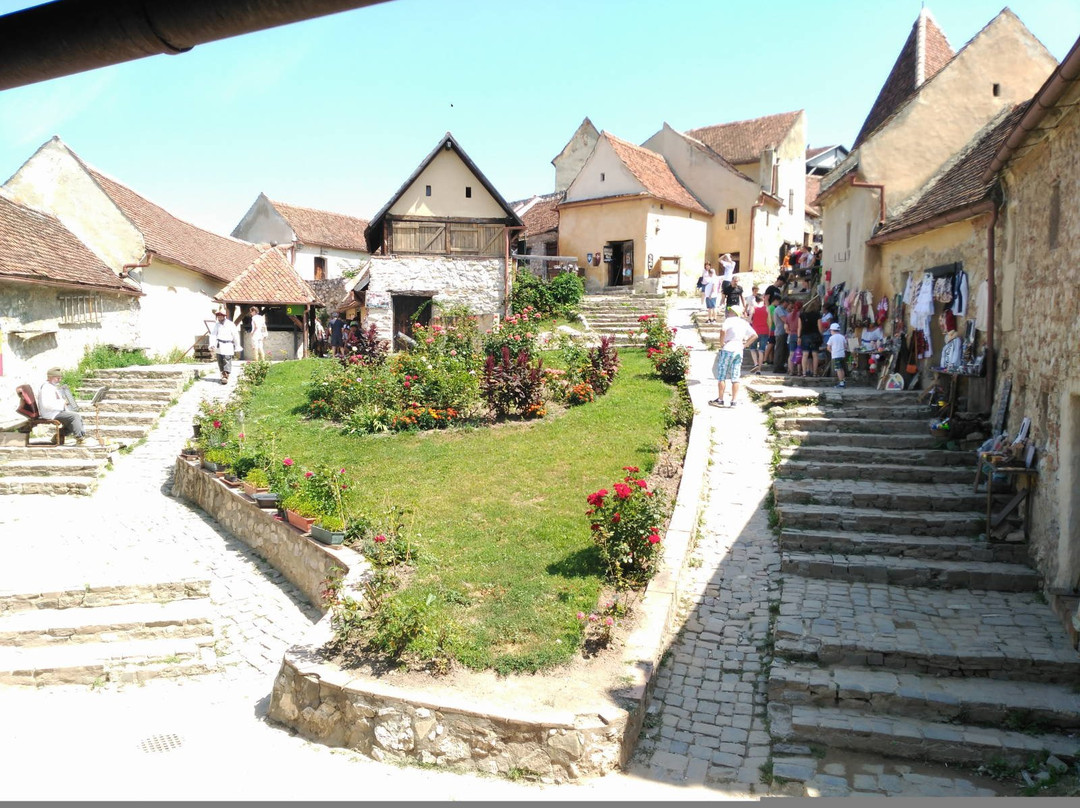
(625, 525)
(518, 332)
(368, 349)
(516, 384)
(653, 328)
(458, 339)
(671, 362)
(257, 477)
(255, 372)
(439, 381)
(581, 393)
(320, 494)
(566, 289)
(603, 365)
(530, 292)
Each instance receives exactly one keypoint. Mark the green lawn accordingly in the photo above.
(498, 513)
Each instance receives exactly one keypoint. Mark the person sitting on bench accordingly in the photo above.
(56, 403)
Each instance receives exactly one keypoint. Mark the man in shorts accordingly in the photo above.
(738, 335)
(838, 351)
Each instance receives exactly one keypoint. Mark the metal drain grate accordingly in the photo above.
(161, 743)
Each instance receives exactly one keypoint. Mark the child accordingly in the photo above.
(838, 350)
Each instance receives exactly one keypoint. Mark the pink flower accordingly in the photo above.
(581, 615)
(631, 469)
(593, 618)
(241, 436)
(309, 474)
(342, 471)
(408, 384)
(453, 351)
(622, 491)
(608, 621)
(288, 461)
(429, 340)
(654, 538)
(380, 538)
(217, 424)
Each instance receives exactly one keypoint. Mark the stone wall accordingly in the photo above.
(479, 283)
(304, 561)
(1037, 317)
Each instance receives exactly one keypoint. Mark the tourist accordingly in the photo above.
(759, 319)
(727, 264)
(224, 340)
(792, 325)
(738, 335)
(810, 339)
(712, 289)
(55, 403)
(733, 295)
(706, 274)
(258, 334)
(838, 351)
(337, 334)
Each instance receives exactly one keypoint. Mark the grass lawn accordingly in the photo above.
(496, 513)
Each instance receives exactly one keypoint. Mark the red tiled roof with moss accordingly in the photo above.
(654, 174)
(270, 279)
(36, 247)
(961, 184)
(813, 186)
(176, 241)
(903, 79)
(743, 141)
(541, 214)
(323, 228)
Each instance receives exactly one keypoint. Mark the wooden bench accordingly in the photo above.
(28, 409)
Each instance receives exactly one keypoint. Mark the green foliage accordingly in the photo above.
(518, 332)
(567, 290)
(256, 477)
(681, 410)
(255, 372)
(625, 525)
(102, 357)
(603, 365)
(560, 295)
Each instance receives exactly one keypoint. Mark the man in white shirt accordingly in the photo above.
(258, 334)
(224, 339)
(738, 335)
(727, 264)
(52, 404)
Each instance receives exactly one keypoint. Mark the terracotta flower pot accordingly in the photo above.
(251, 490)
(302, 523)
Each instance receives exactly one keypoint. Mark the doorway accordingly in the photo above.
(409, 309)
(621, 268)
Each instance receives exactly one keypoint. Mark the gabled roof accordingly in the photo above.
(743, 141)
(587, 128)
(813, 186)
(36, 248)
(269, 279)
(654, 174)
(373, 234)
(539, 214)
(924, 53)
(712, 154)
(330, 293)
(961, 184)
(174, 240)
(322, 228)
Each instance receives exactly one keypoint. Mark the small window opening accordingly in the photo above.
(1055, 214)
(790, 201)
(427, 190)
(601, 176)
(997, 90)
(847, 236)
(468, 192)
(732, 216)
(320, 268)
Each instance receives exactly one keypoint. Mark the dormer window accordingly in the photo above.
(468, 192)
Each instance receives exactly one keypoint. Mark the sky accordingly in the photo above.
(335, 113)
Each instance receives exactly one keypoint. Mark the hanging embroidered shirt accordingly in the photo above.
(960, 293)
(882, 310)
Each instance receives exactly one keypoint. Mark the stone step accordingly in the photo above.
(885, 472)
(948, 633)
(158, 395)
(847, 425)
(130, 621)
(942, 548)
(865, 408)
(104, 594)
(46, 467)
(899, 571)
(865, 440)
(1009, 705)
(70, 450)
(824, 453)
(55, 485)
(870, 520)
(121, 433)
(119, 386)
(106, 375)
(127, 418)
(921, 740)
(119, 405)
(897, 496)
(99, 662)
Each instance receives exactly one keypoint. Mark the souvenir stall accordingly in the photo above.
(864, 322)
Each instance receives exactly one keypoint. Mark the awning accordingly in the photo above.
(34, 328)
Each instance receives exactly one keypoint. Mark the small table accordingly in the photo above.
(1022, 479)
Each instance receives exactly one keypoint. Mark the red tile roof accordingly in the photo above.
(961, 184)
(539, 214)
(813, 185)
(36, 247)
(175, 240)
(654, 174)
(270, 279)
(812, 153)
(323, 228)
(904, 78)
(744, 141)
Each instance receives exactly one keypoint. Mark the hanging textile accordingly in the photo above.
(960, 293)
(882, 310)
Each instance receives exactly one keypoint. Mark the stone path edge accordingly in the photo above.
(383, 720)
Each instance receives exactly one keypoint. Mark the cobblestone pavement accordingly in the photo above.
(206, 737)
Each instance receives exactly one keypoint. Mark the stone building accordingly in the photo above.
(1036, 316)
(930, 108)
(569, 161)
(322, 245)
(56, 299)
(442, 240)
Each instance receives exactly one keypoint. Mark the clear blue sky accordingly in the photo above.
(336, 112)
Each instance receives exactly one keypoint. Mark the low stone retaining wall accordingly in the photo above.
(305, 562)
(548, 724)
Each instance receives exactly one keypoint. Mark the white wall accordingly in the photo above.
(337, 261)
(262, 224)
(448, 177)
(176, 303)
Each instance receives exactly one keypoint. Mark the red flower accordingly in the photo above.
(594, 526)
(654, 538)
(217, 424)
(380, 538)
(597, 499)
(616, 519)
(309, 474)
(622, 491)
(641, 483)
(288, 461)
(631, 469)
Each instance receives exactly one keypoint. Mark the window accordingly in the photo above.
(1055, 214)
(847, 236)
(732, 216)
(79, 309)
(996, 90)
(468, 192)
(790, 201)
(427, 190)
(601, 176)
(320, 268)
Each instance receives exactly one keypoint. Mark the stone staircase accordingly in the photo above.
(901, 630)
(616, 313)
(136, 398)
(110, 633)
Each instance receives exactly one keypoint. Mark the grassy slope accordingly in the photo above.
(498, 513)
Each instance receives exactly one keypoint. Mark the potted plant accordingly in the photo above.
(300, 511)
(215, 460)
(255, 481)
(190, 451)
(325, 488)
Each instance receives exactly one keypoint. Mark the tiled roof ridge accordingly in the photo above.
(744, 141)
(689, 201)
(746, 120)
(276, 202)
(711, 152)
